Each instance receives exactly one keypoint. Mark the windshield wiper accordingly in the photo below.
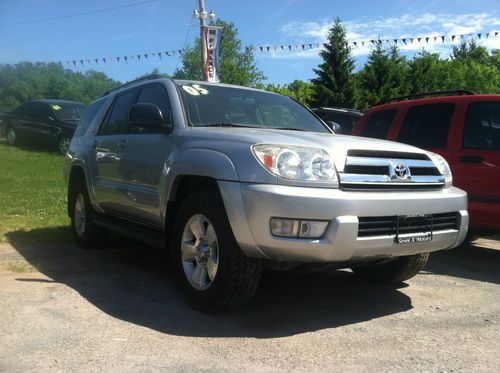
(224, 124)
(286, 128)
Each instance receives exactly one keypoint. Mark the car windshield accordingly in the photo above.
(211, 105)
(68, 111)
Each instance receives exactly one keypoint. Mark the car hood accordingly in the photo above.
(230, 141)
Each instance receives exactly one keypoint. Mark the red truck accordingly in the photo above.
(461, 126)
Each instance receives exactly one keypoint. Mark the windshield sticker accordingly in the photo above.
(195, 89)
(56, 107)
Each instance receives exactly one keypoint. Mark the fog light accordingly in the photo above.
(298, 228)
(284, 227)
(312, 229)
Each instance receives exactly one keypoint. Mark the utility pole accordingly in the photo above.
(202, 14)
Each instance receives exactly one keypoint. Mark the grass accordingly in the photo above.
(32, 195)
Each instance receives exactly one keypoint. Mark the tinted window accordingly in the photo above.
(157, 95)
(118, 118)
(88, 116)
(44, 112)
(208, 105)
(482, 126)
(378, 124)
(427, 126)
(28, 109)
(347, 121)
(68, 112)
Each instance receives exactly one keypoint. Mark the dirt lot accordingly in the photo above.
(64, 309)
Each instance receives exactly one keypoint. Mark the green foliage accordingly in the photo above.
(236, 63)
(334, 84)
(26, 81)
(298, 90)
(383, 76)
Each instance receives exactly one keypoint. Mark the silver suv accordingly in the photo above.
(232, 180)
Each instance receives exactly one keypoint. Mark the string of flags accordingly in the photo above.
(126, 59)
(368, 42)
(290, 47)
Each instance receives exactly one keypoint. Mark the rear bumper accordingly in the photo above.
(251, 206)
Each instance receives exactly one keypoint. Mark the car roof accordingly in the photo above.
(340, 110)
(437, 100)
(57, 102)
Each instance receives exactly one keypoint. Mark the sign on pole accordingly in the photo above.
(212, 43)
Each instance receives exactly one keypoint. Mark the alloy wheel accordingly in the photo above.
(199, 252)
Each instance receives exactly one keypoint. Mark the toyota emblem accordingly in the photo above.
(401, 171)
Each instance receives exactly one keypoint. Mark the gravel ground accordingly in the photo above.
(116, 310)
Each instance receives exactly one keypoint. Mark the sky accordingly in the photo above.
(71, 30)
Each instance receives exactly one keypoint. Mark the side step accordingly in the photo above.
(149, 236)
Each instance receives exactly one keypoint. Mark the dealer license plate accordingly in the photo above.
(414, 239)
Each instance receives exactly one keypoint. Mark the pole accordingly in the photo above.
(202, 34)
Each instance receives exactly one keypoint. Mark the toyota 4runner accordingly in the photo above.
(232, 179)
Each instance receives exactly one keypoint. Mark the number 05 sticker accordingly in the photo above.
(195, 89)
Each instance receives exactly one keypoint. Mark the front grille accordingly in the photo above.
(388, 225)
(375, 170)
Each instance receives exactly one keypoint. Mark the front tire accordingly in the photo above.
(211, 270)
(86, 234)
(394, 271)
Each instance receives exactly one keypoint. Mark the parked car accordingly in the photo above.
(341, 120)
(462, 127)
(232, 179)
(51, 122)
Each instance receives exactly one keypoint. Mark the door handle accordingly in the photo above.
(471, 159)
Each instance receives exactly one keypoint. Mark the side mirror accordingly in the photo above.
(334, 126)
(148, 116)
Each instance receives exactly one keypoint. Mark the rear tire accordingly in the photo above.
(211, 270)
(86, 234)
(11, 136)
(63, 145)
(394, 271)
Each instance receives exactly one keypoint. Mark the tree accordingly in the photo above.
(428, 73)
(26, 81)
(470, 51)
(334, 85)
(383, 76)
(298, 90)
(236, 63)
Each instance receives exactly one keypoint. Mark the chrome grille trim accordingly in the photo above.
(369, 170)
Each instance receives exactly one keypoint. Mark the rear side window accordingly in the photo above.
(88, 116)
(117, 120)
(28, 109)
(482, 126)
(427, 126)
(378, 124)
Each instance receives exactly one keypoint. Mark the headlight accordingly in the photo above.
(443, 167)
(296, 162)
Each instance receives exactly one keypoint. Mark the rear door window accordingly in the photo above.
(88, 116)
(117, 120)
(378, 124)
(28, 109)
(482, 126)
(427, 126)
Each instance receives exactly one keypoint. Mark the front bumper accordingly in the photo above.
(251, 206)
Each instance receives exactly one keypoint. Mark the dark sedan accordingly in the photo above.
(43, 121)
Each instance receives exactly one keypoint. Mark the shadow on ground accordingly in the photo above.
(472, 262)
(134, 284)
